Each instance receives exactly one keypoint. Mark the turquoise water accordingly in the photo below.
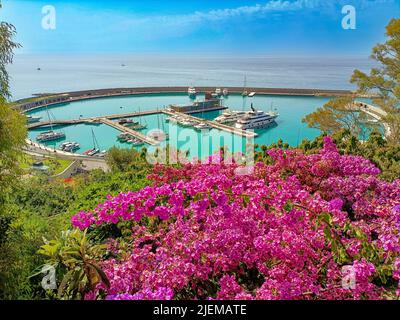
(289, 126)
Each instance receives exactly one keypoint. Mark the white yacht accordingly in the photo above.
(185, 123)
(192, 92)
(32, 119)
(174, 119)
(218, 92)
(50, 136)
(230, 116)
(256, 119)
(159, 135)
(93, 152)
(202, 126)
(225, 92)
(69, 146)
(136, 142)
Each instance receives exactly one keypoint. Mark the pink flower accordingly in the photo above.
(282, 232)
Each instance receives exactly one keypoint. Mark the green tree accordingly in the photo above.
(7, 46)
(12, 139)
(125, 159)
(12, 124)
(75, 258)
(383, 83)
(338, 114)
(385, 79)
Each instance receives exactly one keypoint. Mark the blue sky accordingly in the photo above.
(237, 27)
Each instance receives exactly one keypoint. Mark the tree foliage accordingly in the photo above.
(12, 139)
(76, 256)
(7, 46)
(12, 123)
(338, 114)
(385, 79)
(382, 81)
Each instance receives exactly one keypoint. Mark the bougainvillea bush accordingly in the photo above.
(319, 226)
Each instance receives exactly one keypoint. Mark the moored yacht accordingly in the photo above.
(69, 146)
(230, 116)
(159, 135)
(91, 152)
(126, 122)
(202, 126)
(192, 92)
(135, 142)
(124, 137)
(32, 119)
(50, 136)
(256, 119)
(137, 126)
(225, 92)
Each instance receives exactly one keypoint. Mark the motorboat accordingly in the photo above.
(50, 136)
(192, 92)
(32, 119)
(256, 119)
(230, 116)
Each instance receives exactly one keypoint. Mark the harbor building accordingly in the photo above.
(209, 104)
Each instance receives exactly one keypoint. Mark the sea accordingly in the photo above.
(33, 74)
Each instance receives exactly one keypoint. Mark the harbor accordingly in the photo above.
(187, 110)
(182, 112)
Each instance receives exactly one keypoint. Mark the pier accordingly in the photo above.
(91, 119)
(374, 112)
(133, 133)
(213, 124)
(108, 120)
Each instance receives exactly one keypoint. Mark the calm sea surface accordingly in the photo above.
(69, 73)
(60, 73)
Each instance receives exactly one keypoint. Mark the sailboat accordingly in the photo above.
(159, 134)
(32, 119)
(139, 125)
(245, 92)
(50, 135)
(95, 150)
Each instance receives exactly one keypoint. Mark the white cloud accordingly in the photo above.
(257, 9)
(160, 25)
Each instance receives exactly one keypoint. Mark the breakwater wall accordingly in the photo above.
(48, 99)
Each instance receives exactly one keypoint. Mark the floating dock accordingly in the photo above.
(133, 133)
(107, 120)
(213, 124)
(111, 117)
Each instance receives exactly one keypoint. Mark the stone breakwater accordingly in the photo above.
(47, 99)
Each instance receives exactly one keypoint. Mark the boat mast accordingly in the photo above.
(95, 143)
(48, 115)
(163, 125)
(140, 117)
(244, 92)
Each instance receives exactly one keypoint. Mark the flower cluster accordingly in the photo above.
(283, 232)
